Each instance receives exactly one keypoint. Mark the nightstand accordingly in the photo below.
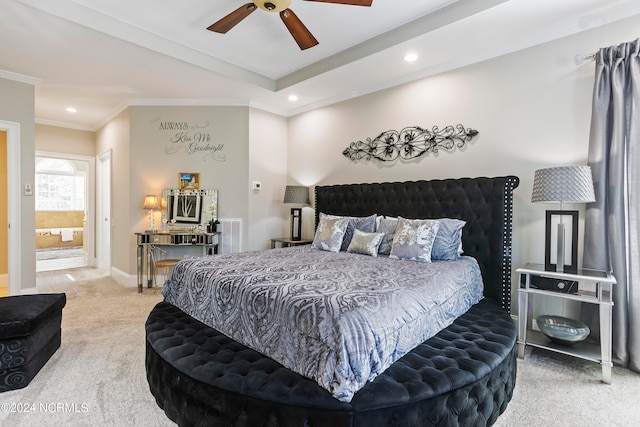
(586, 287)
(286, 242)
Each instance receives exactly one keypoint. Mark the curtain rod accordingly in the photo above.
(579, 59)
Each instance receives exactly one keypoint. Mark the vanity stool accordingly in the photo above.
(29, 335)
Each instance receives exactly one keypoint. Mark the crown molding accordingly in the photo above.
(8, 75)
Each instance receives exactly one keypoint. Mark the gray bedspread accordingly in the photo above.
(337, 318)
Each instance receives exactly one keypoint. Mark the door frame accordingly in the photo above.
(15, 204)
(103, 203)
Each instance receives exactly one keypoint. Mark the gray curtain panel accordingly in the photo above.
(612, 223)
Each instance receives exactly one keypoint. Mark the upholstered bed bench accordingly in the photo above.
(30, 333)
(464, 376)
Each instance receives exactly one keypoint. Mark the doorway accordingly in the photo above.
(64, 213)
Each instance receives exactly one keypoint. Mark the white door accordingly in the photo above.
(103, 247)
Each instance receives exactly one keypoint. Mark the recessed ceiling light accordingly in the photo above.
(293, 98)
(71, 110)
(410, 57)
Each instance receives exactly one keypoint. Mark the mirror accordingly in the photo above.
(184, 210)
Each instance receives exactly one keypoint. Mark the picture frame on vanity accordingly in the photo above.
(570, 221)
(187, 208)
(188, 181)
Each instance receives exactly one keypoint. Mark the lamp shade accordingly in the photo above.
(150, 202)
(572, 184)
(297, 194)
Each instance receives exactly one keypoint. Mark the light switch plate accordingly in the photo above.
(28, 191)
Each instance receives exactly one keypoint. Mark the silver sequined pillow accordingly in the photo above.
(414, 239)
(363, 223)
(365, 243)
(330, 233)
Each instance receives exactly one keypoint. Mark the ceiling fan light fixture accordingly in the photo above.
(273, 5)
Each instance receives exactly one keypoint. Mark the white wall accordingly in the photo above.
(159, 154)
(532, 109)
(268, 166)
(17, 106)
(63, 140)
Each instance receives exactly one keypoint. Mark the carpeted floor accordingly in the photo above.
(557, 390)
(97, 377)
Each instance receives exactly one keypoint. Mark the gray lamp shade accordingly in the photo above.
(572, 184)
(296, 194)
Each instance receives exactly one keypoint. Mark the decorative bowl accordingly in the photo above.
(562, 330)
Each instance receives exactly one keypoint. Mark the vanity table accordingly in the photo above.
(185, 214)
(208, 242)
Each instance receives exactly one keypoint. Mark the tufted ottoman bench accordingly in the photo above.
(29, 334)
(463, 376)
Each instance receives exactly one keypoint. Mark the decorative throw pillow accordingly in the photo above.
(330, 233)
(414, 239)
(448, 243)
(365, 243)
(365, 223)
(388, 227)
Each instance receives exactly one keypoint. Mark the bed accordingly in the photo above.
(462, 375)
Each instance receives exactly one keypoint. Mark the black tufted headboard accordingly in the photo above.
(486, 204)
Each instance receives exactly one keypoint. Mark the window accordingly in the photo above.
(60, 186)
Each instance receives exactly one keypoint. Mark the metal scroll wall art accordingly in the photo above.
(409, 143)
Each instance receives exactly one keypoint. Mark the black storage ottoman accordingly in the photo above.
(29, 335)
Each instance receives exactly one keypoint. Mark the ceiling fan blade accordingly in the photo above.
(232, 19)
(300, 33)
(350, 2)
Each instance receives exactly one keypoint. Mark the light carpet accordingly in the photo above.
(97, 377)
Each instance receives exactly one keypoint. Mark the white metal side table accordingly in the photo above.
(593, 287)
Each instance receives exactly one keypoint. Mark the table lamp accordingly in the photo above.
(563, 184)
(299, 195)
(151, 203)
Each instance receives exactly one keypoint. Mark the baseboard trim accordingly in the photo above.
(29, 291)
(125, 279)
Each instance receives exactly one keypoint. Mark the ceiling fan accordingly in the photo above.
(300, 33)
